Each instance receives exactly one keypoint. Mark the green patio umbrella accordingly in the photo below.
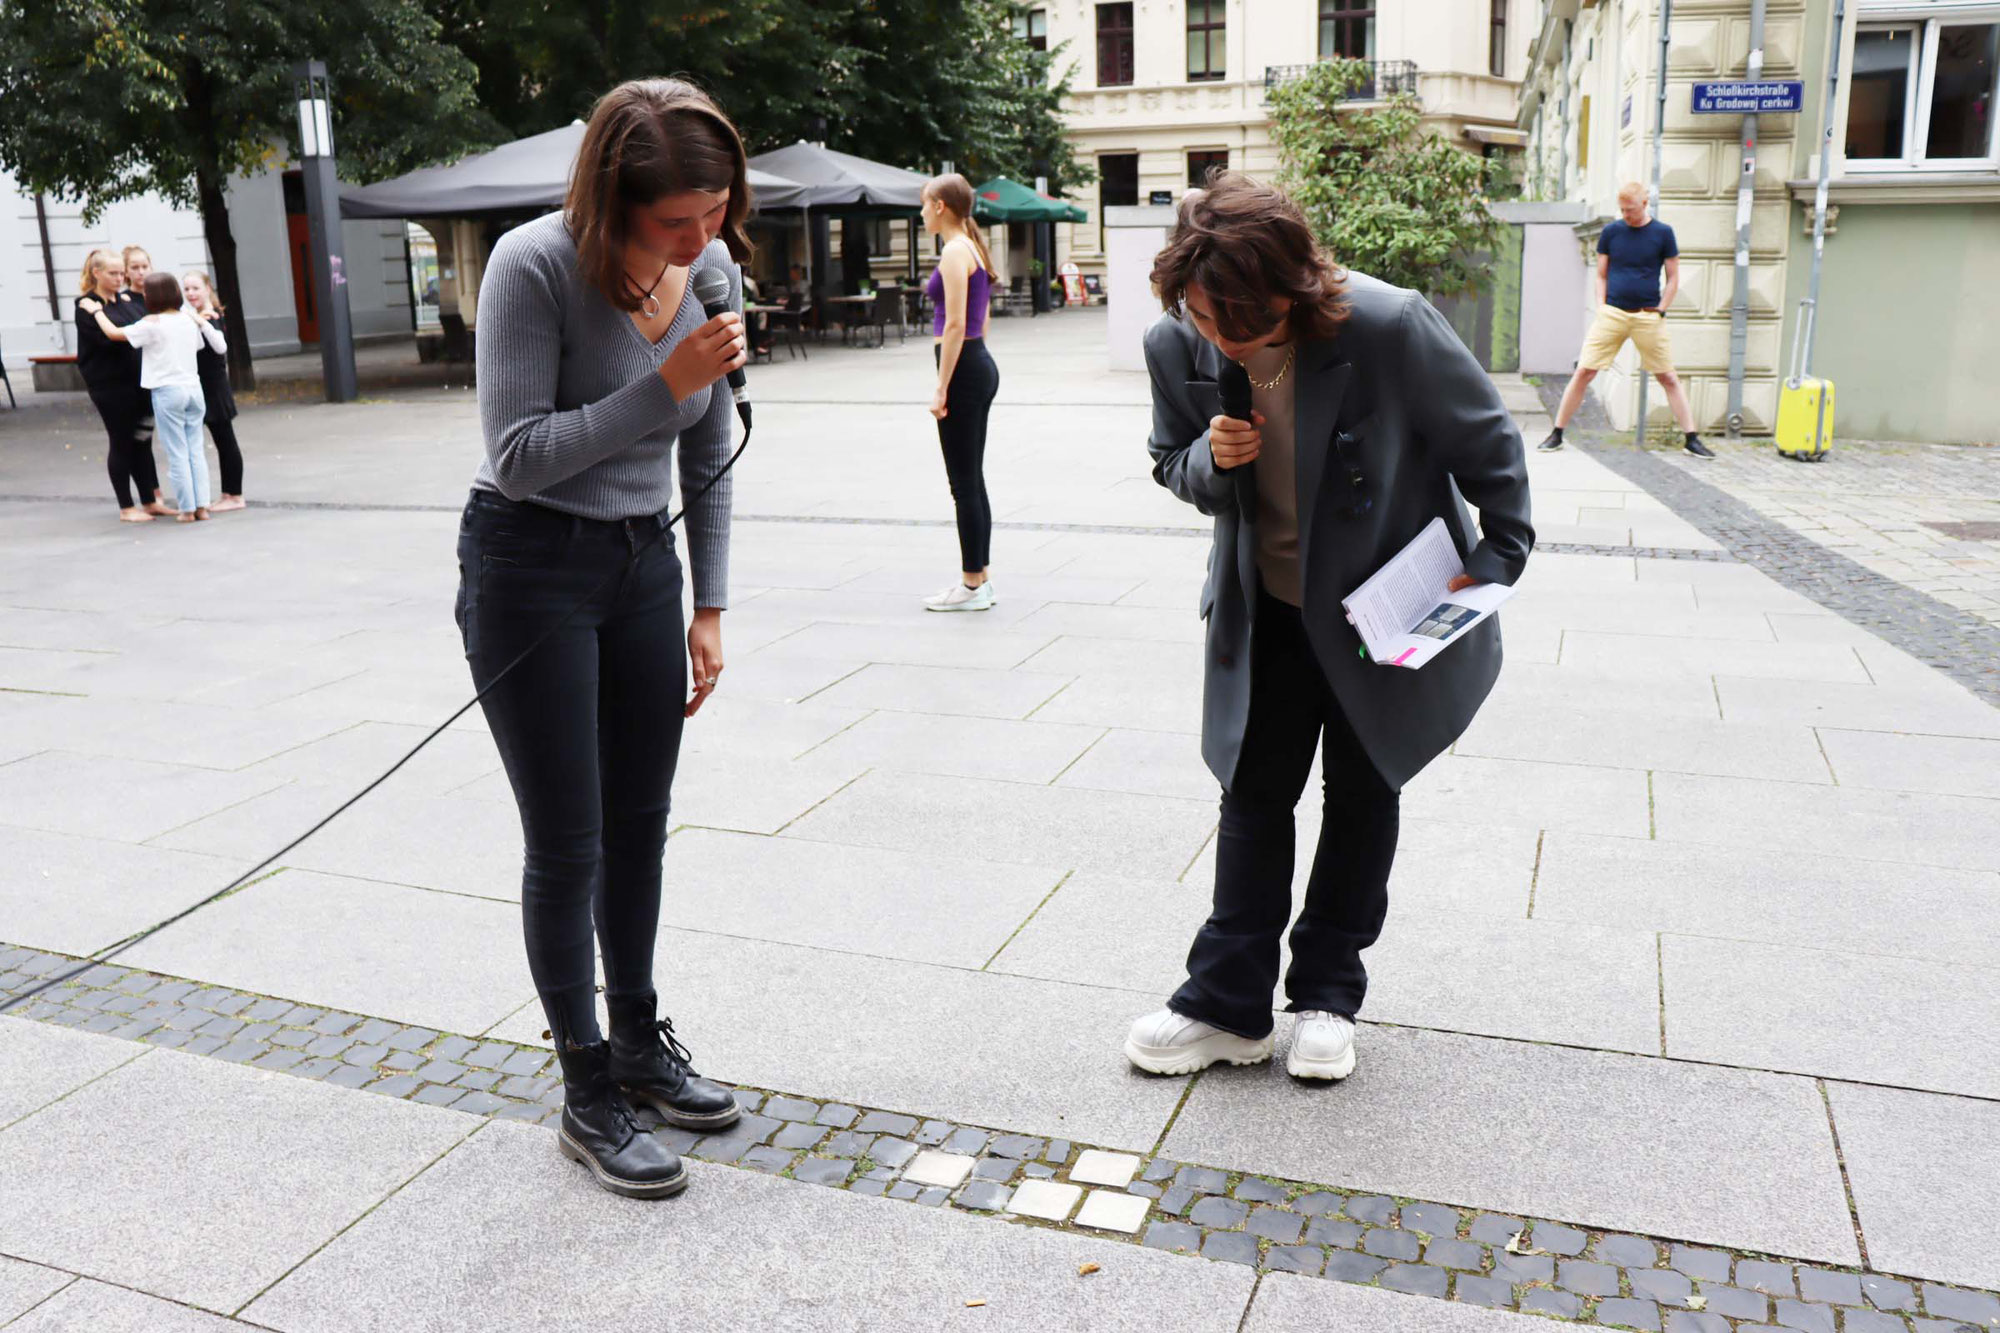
(1003, 200)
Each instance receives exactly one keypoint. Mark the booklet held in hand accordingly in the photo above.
(1404, 612)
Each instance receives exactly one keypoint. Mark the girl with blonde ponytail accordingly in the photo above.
(961, 289)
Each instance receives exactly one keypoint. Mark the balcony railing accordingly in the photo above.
(1386, 78)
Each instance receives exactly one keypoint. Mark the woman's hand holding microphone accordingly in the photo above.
(1233, 442)
(705, 356)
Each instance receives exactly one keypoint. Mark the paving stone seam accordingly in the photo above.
(1000, 525)
(1609, 1279)
(1846, 1180)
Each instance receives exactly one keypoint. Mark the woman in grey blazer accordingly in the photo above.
(1369, 419)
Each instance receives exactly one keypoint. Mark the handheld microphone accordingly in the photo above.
(1234, 381)
(711, 288)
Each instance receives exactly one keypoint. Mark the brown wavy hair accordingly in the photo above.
(955, 193)
(647, 139)
(1246, 244)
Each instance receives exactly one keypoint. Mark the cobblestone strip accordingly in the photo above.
(1958, 643)
(1536, 1266)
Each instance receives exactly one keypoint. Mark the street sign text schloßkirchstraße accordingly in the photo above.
(1742, 97)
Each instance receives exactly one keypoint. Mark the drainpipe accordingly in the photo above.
(1802, 358)
(1653, 192)
(1746, 195)
(48, 259)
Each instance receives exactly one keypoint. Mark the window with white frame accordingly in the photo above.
(1923, 87)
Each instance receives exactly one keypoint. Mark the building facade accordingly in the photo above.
(1914, 226)
(49, 240)
(1165, 90)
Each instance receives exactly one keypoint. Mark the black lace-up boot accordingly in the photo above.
(651, 1065)
(600, 1129)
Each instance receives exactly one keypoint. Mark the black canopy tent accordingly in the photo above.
(842, 184)
(527, 176)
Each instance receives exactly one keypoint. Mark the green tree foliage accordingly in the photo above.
(1383, 196)
(108, 99)
(909, 82)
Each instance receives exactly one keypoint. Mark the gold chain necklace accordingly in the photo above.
(1278, 378)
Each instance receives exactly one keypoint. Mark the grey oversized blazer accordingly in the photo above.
(1428, 432)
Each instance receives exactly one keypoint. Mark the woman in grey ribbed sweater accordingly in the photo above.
(594, 362)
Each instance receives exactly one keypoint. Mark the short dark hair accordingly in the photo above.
(163, 293)
(647, 139)
(1245, 243)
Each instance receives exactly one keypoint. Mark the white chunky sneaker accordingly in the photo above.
(1322, 1046)
(958, 597)
(1171, 1043)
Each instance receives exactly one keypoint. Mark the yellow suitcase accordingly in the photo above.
(1805, 404)
(1805, 419)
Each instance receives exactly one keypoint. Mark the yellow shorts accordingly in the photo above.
(1646, 328)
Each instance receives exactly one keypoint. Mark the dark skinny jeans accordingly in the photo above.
(968, 400)
(588, 727)
(1233, 965)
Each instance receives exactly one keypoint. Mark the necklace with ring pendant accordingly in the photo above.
(649, 305)
(1279, 378)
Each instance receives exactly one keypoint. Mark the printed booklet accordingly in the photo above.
(1403, 612)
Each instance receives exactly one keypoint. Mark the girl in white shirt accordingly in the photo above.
(168, 338)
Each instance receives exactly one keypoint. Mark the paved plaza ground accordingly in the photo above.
(1683, 1018)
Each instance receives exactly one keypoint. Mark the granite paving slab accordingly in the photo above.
(76, 894)
(1723, 1156)
(198, 735)
(1150, 763)
(101, 1308)
(1918, 1024)
(1923, 1168)
(1584, 797)
(1906, 828)
(1780, 751)
(1947, 765)
(357, 754)
(229, 1178)
(1778, 897)
(1644, 656)
(460, 843)
(943, 907)
(39, 1064)
(963, 692)
(1938, 707)
(503, 1234)
(126, 800)
(25, 1285)
(413, 955)
(1532, 980)
(963, 747)
(1145, 836)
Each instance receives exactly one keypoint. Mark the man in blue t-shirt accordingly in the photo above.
(1631, 255)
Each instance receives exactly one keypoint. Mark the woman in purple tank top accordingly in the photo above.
(960, 290)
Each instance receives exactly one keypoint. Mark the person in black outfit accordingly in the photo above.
(960, 290)
(110, 372)
(213, 367)
(598, 370)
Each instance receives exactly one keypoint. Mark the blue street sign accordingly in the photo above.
(1742, 97)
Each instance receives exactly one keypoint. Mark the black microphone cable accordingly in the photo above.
(106, 954)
